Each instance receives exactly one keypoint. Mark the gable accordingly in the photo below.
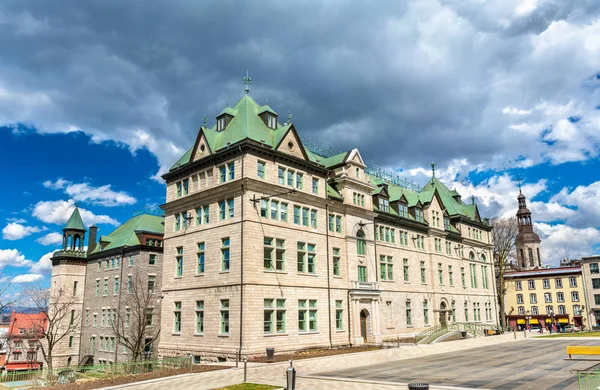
(201, 148)
(291, 144)
(356, 158)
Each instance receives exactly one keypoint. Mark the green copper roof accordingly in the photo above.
(75, 221)
(332, 193)
(227, 110)
(126, 233)
(335, 160)
(451, 205)
(245, 124)
(266, 108)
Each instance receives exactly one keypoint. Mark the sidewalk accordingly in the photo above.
(307, 369)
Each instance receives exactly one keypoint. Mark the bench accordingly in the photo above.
(583, 350)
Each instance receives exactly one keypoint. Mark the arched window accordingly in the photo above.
(538, 256)
(482, 258)
(471, 256)
(360, 243)
(531, 263)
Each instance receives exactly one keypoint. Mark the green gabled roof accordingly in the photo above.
(227, 110)
(332, 193)
(266, 108)
(126, 234)
(335, 160)
(245, 124)
(446, 195)
(75, 221)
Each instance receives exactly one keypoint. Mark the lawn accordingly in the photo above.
(574, 334)
(249, 386)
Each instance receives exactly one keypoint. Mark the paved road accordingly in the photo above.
(529, 364)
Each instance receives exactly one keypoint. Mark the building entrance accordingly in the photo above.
(364, 314)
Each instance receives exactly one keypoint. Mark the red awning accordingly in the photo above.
(14, 366)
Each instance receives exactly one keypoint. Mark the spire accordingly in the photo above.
(289, 118)
(247, 81)
(75, 222)
(432, 171)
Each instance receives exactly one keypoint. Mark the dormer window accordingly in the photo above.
(384, 205)
(403, 210)
(221, 123)
(271, 121)
(446, 223)
(419, 215)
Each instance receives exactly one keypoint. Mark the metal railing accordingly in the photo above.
(435, 332)
(45, 377)
(588, 378)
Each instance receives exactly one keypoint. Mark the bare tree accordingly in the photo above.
(6, 299)
(61, 318)
(504, 233)
(137, 323)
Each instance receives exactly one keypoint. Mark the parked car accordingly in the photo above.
(571, 328)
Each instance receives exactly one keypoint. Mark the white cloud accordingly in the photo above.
(84, 192)
(16, 231)
(27, 278)
(585, 199)
(515, 111)
(14, 258)
(50, 239)
(59, 211)
(44, 264)
(557, 238)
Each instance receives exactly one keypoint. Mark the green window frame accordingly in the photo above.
(406, 270)
(360, 243)
(336, 262)
(283, 207)
(339, 315)
(225, 253)
(450, 278)
(462, 276)
(261, 169)
(179, 262)
(315, 186)
(177, 318)
(224, 316)
(426, 312)
(297, 212)
(199, 317)
(362, 273)
(200, 255)
(330, 222)
(301, 256)
(386, 267)
(312, 256)
(423, 274)
(408, 314)
(440, 273)
(338, 224)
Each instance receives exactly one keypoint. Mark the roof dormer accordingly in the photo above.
(381, 198)
(417, 212)
(268, 116)
(224, 118)
(400, 206)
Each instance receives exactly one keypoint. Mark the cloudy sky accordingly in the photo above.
(97, 98)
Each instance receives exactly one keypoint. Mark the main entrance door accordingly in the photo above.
(363, 324)
(443, 320)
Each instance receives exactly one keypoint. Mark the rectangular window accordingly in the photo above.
(338, 224)
(105, 292)
(408, 314)
(450, 278)
(268, 253)
(403, 210)
(200, 257)
(177, 222)
(595, 283)
(186, 186)
(531, 284)
(274, 316)
(405, 261)
(594, 268)
(225, 244)
(129, 284)
(386, 267)
(312, 255)
(574, 296)
(315, 186)
(97, 287)
(532, 298)
(274, 210)
(299, 177)
(331, 222)
(290, 178)
(206, 212)
(313, 219)
(264, 208)
(518, 286)
(177, 318)
(75, 288)
(336, 262)
(179, 262)
(281, 176)
(260, 169)
(558, 283)
(307, 315)
(222, 210)
(127, 316)
(297, 211)
(520, 299)
(305, 216)
(546, 283)
(426, 312)
(231, 208)
(339, 315)
(224, 316)
(199, 317)
(440, 273)
(151, 283)
(548, 297)
(116, 291)
(560, 297)
(301, 256)
(152, 259)
(423, 277)
(283, 212)
(131, 261)
(149, 317)
(462, 276)
(362, 273)
(534, 310)
(573, 281)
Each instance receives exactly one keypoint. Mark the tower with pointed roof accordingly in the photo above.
(67, 282)
(527, 242)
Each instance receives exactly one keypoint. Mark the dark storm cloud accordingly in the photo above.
(403, 82)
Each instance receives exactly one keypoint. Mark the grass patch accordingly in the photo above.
(249, 386)
(574, 334)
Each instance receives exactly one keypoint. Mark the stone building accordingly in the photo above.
(104, 278)
(527, 242)
(270, 244)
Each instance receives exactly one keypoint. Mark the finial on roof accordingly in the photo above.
(432, 170)
(247, 81)
(519, 180)
(204, 120)
(289, 119)
(472, 199)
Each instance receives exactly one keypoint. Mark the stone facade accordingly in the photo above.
(591, 281)
(264, 247)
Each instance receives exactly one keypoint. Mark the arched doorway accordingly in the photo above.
(364, 315)
(443, 320)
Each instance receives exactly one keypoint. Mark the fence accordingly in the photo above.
(588, 378)
(431, 334)
(41, 378)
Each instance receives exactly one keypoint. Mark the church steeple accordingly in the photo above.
(527, 242)
(74, 233)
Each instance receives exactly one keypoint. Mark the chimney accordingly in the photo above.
(92, 238)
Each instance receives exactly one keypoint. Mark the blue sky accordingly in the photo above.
(98, 99)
